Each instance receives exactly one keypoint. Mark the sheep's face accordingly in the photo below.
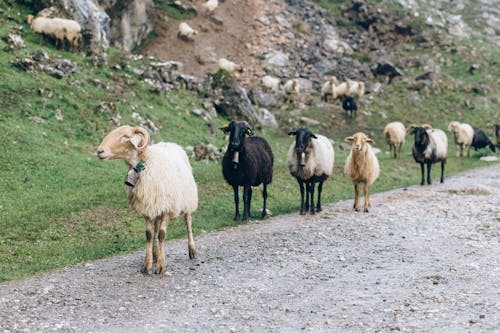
(303, 137)
(359, 141)
(421, 136)
(237, 131)
(125, 142)
(453, 126)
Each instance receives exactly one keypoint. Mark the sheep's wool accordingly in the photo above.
(166, 185)
(319, 160)
(362, 166)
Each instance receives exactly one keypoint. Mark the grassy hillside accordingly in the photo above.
(59, 205)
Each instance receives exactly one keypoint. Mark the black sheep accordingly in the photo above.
(350, 107)
(481, 140)
(247, 162)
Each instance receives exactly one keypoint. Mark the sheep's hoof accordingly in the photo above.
(318, 209)
(147, 271)
(356, 209)
(302, 212)
(161, 269)
(192, 253)
(366, 210)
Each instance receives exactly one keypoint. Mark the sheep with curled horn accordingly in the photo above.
(310, 161)
(247, 162)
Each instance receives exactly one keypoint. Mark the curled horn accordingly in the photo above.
(427, 126)
(141, 138)
(249, 131)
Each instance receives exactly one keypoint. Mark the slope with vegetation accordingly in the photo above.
(59, 205)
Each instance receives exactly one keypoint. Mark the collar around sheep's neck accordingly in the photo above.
(139, 166)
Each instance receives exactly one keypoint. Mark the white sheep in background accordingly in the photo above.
(394, 134)
(431, 146)
(228, 65)
(327, 89)
(164, 188)
(210, 6)
(310, 161)
(356, 88)
(292, 90)
(361, 166)
(186, 32)
(57, 28)
(271, 83)
(463, 135)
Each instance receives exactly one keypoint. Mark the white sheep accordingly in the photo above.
(310, 161)
(271, 83)
(394, 134)
(327, 89)
(58, 28)
(356, 88)
(228, 65)
(164, 188)
(463, 135)
(186, 32)
(361, 166)
(292, 90)
(210, 6)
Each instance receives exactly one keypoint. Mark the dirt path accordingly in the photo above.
(424, 259)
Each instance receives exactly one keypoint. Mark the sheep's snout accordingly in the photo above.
(103, 154)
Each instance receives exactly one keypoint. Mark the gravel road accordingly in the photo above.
(425, 259)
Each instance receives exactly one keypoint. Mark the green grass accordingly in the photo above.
(59, 205)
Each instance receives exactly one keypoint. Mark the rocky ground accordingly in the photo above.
(424, 259)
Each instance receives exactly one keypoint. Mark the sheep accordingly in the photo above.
(247, 162)
(310, 161)
(292, 90)
(431, 146)
(394, 134)
(361, 166)
(185, 32)
(57, 28)
(271, 83)
(350, 107)
(228, 65)
(340, 90)
(356, 88)
(497, 135)
(210, 6)
(462, 135)
(481, 140)
(164, 189)
(327, 89)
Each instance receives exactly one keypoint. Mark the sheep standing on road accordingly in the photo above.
(164, 187)
(361, 166)
(431, 146)
(310, 160)
(481, 140)
(394, 134)
(462, 135)
(247, 162)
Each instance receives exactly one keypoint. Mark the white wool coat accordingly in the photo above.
(362, 166)
(319, 160)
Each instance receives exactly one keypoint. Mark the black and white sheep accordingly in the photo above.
(481, 140)
(310, 161)
(164, 186)
(430, 146)
(247, 162)
(350, 107)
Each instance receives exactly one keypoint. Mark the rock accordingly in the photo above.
(489, 158)
(309, 122)
(277, 59)
(14, 42)
(387, 69)
(266, 118)
(207, 152)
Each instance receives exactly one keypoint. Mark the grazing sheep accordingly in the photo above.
(350, 106)
(58, 28)
(481, 140)
(340, 90)
(164, 186)
(247, 162)
(327, 89)
(228, 65)
(361, 166)
(271, 83)
(463, 135)
(185, 32)
(497, 135)
(310, 160)
(431, 146)
(394, 134)
(292, 90)
(356, 88)
(210, 6)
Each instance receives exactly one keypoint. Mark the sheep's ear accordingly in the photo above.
(411, 129)
(140, 139)
(427, 126)
(249, 131)
(225, 129)
(370, 141)
(313, 136)
(349, 139)
(292, 132)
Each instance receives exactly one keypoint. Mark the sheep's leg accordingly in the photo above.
(155, 241)
(147, 268)
(399, 150)
(306, 208)
(442, 171)
(429, 166)
(422, 182)
(458, 151)
(247, 197)
(264, 195)
(320, 188)
(236, 203)
(367, 197)
(161, 267)
(356, 197)
(311, 193)
(301, 186)
(191, 246)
